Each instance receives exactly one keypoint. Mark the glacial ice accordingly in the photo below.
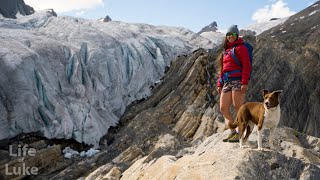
(66, 77)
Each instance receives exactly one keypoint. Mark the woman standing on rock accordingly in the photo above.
(233, 79)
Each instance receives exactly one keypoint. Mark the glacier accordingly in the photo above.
(65, 77)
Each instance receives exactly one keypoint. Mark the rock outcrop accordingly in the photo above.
(297, 157)
(24, 164)
(247, 32)
(287, 57)
(13, 8)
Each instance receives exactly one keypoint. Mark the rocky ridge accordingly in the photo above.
(287, 57)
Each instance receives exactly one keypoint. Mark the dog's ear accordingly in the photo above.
(264, 92)
(278, 92)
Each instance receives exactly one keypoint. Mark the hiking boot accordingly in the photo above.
(228, 137)
(234, 138)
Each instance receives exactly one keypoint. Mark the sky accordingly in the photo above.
(190, 14)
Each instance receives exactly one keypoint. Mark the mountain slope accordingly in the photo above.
(255, 29)
(287, 57)
(258, 28)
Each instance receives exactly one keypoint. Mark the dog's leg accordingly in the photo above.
(244, 137)
(271, 137)
(241, 143)
(248, 132)
(259, 125)
(260, 140)
(241, 133)
(241, 128)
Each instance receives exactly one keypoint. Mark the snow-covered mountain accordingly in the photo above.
(106, 19)
(217, 36)
(66, 77)
(258, 28)
(213, 27)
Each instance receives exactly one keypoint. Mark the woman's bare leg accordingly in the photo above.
(237, 100)
(225, 103)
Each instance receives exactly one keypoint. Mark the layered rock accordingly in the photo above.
(26, 163)
(214, 159)
(287, 57)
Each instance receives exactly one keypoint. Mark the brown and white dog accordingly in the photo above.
(264, 115)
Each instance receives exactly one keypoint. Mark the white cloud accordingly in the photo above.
(277, 10)
(64, 5)
(80, 13)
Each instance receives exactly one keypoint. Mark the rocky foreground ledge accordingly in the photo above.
(296, 156)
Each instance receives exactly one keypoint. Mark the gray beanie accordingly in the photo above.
(233, 29)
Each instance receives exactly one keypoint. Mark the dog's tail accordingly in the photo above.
(233, 125)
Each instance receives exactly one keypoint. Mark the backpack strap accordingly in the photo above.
(233, 53)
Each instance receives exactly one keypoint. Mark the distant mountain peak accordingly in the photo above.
(106, 19)
(211, 27)
(52, 12)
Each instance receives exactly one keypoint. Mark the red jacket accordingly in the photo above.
(229, 63)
